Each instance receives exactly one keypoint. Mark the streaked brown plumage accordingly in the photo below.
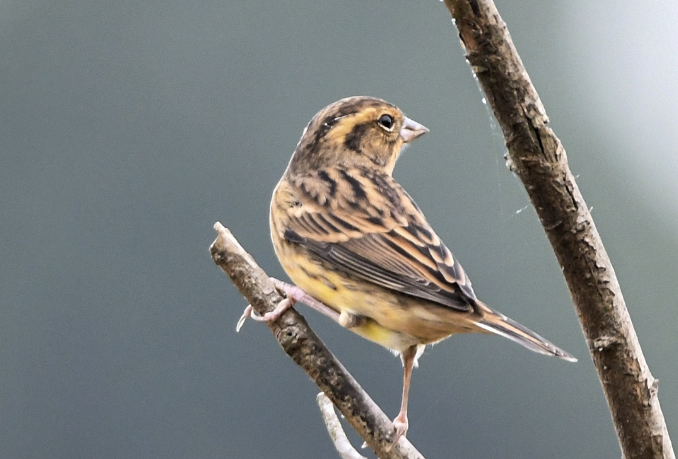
(351, 237)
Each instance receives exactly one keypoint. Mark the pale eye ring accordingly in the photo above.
(386, 121)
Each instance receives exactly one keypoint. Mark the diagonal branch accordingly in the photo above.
(536, 155)
(308, 351)
(337, 434)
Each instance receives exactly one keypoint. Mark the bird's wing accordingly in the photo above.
(363, 223)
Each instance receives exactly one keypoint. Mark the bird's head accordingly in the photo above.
(356, 131)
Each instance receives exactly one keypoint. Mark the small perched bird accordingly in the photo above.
(360, 250)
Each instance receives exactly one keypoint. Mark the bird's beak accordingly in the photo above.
(411, 130)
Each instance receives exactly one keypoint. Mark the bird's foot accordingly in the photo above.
(400, 426)
(292, 294)
(297, 294)
(249, 311)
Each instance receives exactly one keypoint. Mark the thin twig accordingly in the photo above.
(334, 429)
(536, 155)
(308, 351)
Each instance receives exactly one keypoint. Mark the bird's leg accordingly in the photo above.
(293, 294)
(400, 423)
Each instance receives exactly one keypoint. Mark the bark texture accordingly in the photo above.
(308, 351)
(536, 155)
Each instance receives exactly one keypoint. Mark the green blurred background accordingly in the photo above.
(128, 128)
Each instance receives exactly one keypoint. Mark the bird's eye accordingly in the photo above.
(386, 121)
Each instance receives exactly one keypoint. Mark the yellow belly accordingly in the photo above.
(391, 319)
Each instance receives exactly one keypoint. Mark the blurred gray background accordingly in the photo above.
(128, 128)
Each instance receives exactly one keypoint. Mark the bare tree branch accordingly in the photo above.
(337, 434)
(536, 155)
(308, 351)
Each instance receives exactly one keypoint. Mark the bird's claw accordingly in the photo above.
(400, 425)
(292, 294)
(249, 312)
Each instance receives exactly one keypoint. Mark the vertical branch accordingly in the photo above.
(536, 155)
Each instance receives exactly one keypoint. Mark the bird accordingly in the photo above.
(359, 249)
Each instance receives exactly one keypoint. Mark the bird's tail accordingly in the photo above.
(499, 324)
